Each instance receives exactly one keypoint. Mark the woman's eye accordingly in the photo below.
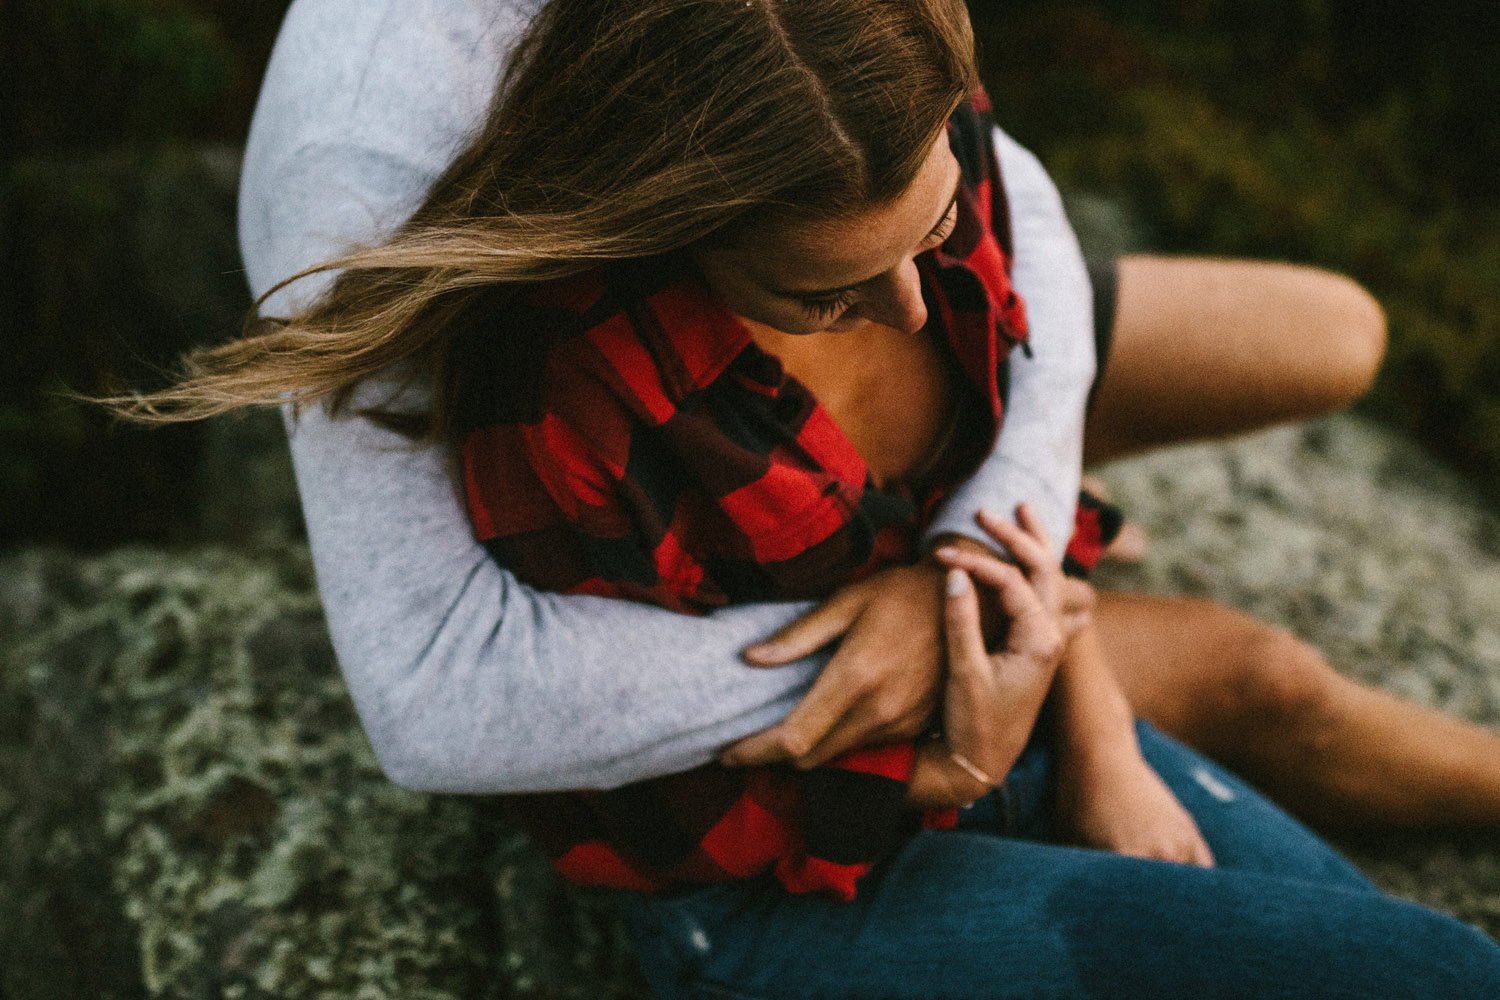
(828, 308)
(950, 223)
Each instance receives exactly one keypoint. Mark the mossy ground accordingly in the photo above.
(188, 808)
(191, 809)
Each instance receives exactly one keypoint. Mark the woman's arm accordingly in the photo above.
(1108, 796)
(991, 699)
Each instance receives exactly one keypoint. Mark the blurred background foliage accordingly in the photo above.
(120, 127)
(1347, 134)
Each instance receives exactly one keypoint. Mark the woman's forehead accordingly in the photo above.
(850, 250)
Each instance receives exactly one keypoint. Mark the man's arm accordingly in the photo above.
(465, 680)
(1039, 455)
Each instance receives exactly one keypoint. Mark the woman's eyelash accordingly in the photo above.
(946, 227)
(824, 308)
(829, 307)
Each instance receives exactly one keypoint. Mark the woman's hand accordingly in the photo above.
(991, 700)
(1114, 801)
(881, 686)
(1070, 601)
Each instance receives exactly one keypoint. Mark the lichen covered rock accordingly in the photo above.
(213, 805)
(188, 808)
(1359, 543)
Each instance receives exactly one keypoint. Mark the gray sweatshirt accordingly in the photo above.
(465, 679)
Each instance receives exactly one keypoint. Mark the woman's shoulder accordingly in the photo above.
(640, 335)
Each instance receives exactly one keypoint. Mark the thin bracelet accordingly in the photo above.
(972, 768)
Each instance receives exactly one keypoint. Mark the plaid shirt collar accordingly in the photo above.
(966, 284)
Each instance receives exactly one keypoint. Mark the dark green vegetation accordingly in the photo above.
(120, 125)
(189, 811)
(1351, 135)
(1346, 134)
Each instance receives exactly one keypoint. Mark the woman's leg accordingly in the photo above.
(1204, 348)
(968, 914)
(1270, 707)
(1245, 830)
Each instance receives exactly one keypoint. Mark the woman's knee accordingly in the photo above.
(1283, 685)
(1345, 327)
(1204, 348)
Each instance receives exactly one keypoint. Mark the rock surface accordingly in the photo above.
(188, 808)
(1359, 543)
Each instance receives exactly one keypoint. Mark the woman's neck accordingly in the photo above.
(891, 393)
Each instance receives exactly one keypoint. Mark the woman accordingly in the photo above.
(1086, 905)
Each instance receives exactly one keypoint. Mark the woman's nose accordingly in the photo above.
(899, 302)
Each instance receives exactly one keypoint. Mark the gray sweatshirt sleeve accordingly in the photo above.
(1039, 455)
(466, 680)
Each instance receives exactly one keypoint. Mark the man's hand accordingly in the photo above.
(882, 684)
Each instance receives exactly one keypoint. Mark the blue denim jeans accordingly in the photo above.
(991, 909)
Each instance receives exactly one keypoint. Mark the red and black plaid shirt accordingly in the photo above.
(630, 439)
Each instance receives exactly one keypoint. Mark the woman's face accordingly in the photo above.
(837, 275)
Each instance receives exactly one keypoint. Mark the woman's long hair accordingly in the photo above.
(624, 129)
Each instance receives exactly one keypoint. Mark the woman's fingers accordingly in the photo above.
(965, 640)
(1033, 554)
(991, 701)
(1033, 629)
(969, 714)
(986, 569)
(1028, 543)
(1077, 607)
(1075, 599)
(1027, 518)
